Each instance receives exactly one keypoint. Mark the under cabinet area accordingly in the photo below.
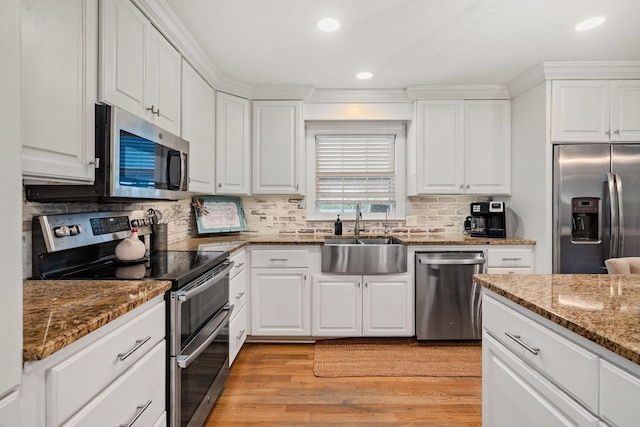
(139, 68)
(238, 297)
(59, 76)
(595, 110)
(463, 147)
(355, 305)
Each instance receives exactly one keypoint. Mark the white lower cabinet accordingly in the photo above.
(10, 410)
(238, 297)
(362, 305)
(109, 377)
(280, 292)
(510, 261)
(536, 373)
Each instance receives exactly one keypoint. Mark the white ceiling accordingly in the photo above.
(404, 42)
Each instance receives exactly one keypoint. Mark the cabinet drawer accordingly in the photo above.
(238, 291)
(512, 270)
(140, 390)
(78, 379)
(237, 334)
(619, 396)
(568, 365)
(239, 260)
(509, 258)
(280, 258)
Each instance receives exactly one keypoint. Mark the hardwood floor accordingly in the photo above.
(274, 385)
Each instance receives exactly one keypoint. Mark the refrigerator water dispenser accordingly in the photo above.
(585, 221)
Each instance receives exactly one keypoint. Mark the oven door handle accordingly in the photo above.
(185, 295)
(201, 341)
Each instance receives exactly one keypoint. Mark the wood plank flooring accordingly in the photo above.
(274, 385)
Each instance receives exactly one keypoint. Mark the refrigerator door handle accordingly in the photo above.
(620, 215)
(613, 211)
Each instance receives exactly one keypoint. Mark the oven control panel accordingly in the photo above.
(67, 231)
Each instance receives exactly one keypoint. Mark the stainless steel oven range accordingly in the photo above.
(82, 246)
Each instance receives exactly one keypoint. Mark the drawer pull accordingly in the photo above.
(279, 259)
(512, 259)
(239, 295)
(137, 345)
(239, 337)
(139, 410)
(517, 339)
(239, 265)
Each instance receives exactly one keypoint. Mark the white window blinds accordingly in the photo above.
(352, 168)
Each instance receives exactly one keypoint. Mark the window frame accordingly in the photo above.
(399, 129)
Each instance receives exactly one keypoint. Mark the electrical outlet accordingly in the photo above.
(269, 220)
(411, 221)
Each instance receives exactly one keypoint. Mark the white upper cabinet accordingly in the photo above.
(278, 147)
(464, 147)
(233, 144)
(198, 127)
(140, 70)
(59, 89)
(595, 110)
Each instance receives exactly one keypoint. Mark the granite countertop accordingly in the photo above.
(234, 242)
(604, 308)
(59, 312)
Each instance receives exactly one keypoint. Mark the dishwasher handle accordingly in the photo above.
(444, 261)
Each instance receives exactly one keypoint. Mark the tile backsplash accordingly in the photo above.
(269, 214)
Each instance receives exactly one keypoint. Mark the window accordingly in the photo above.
(355, 162)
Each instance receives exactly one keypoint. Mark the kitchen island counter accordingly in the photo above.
(59, 312)
(604, 309)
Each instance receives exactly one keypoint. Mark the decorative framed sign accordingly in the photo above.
(218, 214)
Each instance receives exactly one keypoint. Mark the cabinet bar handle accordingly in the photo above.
(239, 295)
(137, 345)
(239, 337)
(279, 259)
(239, 265)
(139, 410)
(517, 339)
(511, 259)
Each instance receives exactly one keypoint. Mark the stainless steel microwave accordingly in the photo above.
(134, 159)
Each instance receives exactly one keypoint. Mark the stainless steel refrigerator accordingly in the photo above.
(596, 205)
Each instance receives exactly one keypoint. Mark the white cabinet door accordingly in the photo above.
(513, 394)
(625, 110)
(619, 395)
(233, 144)
(387, 308)
(440, 147)
(164, 83)
(10, 410)
(140, 70)
(336, 305)
(487, 147)
(580, 111)
(198, 127)
(280, 301)
(278, 143)
(59, 89)
(237, 333)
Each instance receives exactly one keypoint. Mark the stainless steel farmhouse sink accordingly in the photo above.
(383, 255)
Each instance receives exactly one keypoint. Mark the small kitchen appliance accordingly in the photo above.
(488, 219)
(82, 246)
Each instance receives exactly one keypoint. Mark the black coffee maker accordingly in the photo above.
(487, 220)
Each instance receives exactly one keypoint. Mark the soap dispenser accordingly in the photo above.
(338, 227)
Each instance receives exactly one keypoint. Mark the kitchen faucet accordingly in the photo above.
(356, 229)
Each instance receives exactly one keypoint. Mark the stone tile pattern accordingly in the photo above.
(58, 313)
(604, 308)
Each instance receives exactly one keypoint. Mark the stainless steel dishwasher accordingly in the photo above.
(447, 300)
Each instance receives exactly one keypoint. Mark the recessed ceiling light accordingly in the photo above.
(328, 24)
(590, 23)
(364, 75)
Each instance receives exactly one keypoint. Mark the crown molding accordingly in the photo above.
(458, 92)
(358, 96)
(168, 23)
(282, 92)
(526, 80)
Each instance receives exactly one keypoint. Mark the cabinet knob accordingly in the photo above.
(220, 185)
(608, 133)
(617, 132)
(468, 186)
